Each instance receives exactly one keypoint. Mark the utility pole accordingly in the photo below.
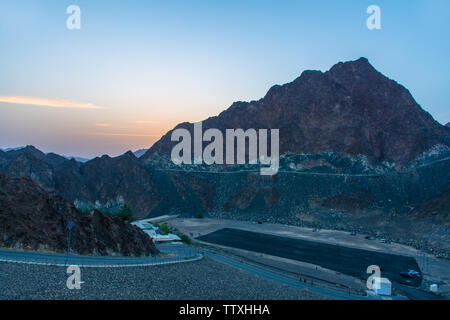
(69, 227)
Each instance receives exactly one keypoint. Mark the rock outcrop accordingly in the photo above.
(33, 219)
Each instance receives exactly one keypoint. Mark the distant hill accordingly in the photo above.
(139, 153)
(12, 149)
(79, 159)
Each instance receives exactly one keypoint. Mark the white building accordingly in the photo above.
(153, 231)
(382, 286)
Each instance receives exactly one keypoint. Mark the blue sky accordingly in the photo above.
(149, 65)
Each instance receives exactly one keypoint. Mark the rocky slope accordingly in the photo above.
(33, 219)
(351, 109)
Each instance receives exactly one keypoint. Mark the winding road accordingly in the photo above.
(174, 254)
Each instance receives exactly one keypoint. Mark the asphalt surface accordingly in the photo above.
(350, 261)
(281, 278)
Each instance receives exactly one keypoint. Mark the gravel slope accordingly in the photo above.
(204, 279)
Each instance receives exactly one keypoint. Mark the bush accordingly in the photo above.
(85, 210)
(126, 213)
(164, 229)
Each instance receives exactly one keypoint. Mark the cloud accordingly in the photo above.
(103, 124)
(122, 134)
(49, 102)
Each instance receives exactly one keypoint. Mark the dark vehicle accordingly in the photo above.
(410, 274)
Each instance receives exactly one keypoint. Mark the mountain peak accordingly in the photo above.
(351, 109)
(129, 154)
(361, 63)
(29, 149)
(353, 71)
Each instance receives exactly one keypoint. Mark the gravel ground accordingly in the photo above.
(204, 279)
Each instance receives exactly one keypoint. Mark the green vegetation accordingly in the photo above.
(163, 229)
(124, 212)
(85, 210)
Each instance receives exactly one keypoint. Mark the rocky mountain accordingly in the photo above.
(33, 219)
(351, 109)
(103, 181)
(431, 221)
(11, 149)
(448, 125)
(139, 153)
(79, 159)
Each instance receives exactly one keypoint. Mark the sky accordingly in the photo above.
(137, 68)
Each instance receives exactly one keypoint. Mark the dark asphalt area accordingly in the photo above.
(350, 261)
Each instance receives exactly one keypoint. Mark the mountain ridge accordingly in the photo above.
(337, 111)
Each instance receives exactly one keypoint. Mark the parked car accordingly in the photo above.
(410, 274)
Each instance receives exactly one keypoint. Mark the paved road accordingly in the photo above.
(176, 254)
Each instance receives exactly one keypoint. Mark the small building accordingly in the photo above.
(382, 286)
(434, 288)
(153, 231)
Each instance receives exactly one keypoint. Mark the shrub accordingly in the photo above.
(200, 216)
(164, 229)
(125, 212)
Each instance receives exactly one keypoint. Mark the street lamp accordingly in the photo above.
(69, 226)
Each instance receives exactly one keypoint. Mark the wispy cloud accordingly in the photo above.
(103, 125)
(122, 134)
(49, 102)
